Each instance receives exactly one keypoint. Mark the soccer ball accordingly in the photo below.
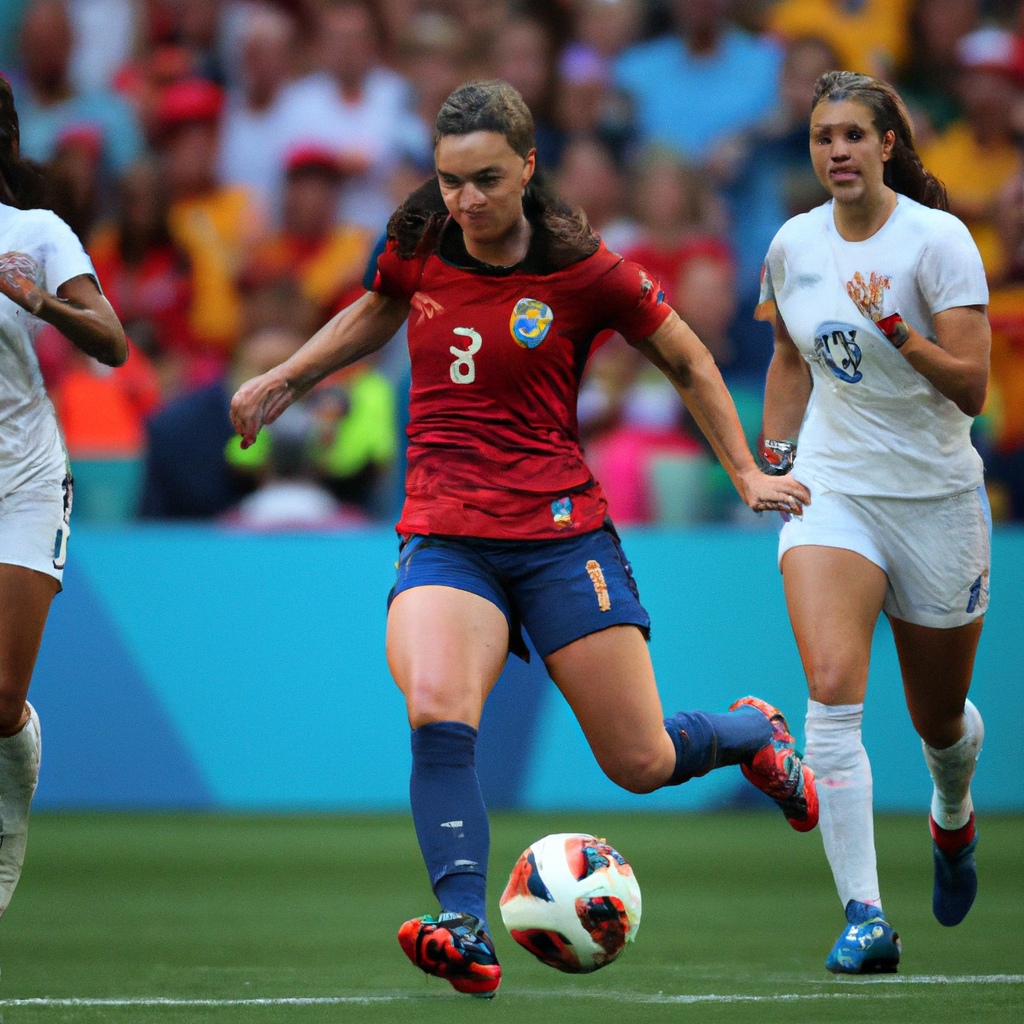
(572, 901)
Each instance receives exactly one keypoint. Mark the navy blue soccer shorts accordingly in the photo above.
(558, 590)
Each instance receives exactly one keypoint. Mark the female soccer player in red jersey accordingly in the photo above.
(503, 525)
(881, 360)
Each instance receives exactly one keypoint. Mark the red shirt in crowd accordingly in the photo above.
(497, 355)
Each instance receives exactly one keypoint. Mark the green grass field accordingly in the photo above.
(225, 918)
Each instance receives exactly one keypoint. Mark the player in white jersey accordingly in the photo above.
(881, 360)
(45, 275)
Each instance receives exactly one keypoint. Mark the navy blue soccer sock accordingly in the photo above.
(704, 742)
(450, 817)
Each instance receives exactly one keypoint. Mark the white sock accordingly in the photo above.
(952, 770)
(840, 764)
(19, 772)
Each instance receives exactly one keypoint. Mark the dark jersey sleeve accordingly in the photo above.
(635, 306)
(397, 278)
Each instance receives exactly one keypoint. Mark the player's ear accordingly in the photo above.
(888, 141)
(530, 166)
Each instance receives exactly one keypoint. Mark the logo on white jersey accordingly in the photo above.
(868, 296)
(836, 348)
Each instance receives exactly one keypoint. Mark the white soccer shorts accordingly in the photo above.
(935, 551)
(34, 525)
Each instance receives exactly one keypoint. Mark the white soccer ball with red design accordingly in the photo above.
(573, 902)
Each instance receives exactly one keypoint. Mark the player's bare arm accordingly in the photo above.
(788, 386)
(956, 363)
(78, 310)
(357, 331)
(684, 359)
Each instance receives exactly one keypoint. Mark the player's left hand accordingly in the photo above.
(17, 271)
(765, 493)
(260, 401)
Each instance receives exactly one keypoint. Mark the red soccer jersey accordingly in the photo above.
(496, 364)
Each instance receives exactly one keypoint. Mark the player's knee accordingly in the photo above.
(938, 731)
(12, 711)
(833, 683)
(433, 700)
(637, 771)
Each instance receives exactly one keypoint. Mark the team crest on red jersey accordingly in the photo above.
(561, 512)
(530, 322)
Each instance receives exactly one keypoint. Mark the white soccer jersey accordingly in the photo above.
(30, 442)
(874, 425)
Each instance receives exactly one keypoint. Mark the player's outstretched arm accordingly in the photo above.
(358, 330)
(683, 358)
(78, 310)
(787, 389)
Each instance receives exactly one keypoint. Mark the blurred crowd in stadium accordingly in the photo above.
(229, 165)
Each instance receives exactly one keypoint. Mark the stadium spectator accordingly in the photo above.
(870, 36)
(936, 27)
(606, 28)
(188, 475)
(700, 83)
(290, 496)
(105, 33)
(588, 104)
(216, 225)
(147, 279)
(523, 53)
(431, 54)
(325, 258)
(766, 172)
(358, 107)
(73, 177)
(49, 103)
(589, 178)
(1003, 418)
(102, 412)
(634, 420)
(976, 157)
(704, 294)
(252, 128)
(678, 213)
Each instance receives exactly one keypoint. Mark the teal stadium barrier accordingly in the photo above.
(199, 667)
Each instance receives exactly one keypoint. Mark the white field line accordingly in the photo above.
(632, 997)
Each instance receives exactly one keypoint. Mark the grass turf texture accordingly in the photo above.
(195, 907)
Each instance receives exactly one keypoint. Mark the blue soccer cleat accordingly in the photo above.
(956, 878)
(868, 944)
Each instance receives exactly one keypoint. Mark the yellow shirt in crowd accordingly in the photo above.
(871, 40)
(974, 178)
(217, 231)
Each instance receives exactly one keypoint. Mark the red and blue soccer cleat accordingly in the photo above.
(956, 874)
(454, 947)
(868, 944)
(778, 770)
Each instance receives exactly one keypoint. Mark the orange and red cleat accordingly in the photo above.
(454, 947)
(778, 770)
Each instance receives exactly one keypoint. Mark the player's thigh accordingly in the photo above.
(446, 648)
(834, 597)
(936, 665)
(608, 680)
(25, 596)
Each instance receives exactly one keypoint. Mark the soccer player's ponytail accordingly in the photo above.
(904, 171)
(21, 181)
